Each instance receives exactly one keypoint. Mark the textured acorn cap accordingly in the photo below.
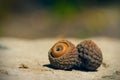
(63, 55)
(90, 55)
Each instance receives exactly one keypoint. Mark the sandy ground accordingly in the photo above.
(28, 60)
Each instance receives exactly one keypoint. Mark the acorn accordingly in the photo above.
(90, 55)
(63, 55)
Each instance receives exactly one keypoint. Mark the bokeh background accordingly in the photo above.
(59, 18)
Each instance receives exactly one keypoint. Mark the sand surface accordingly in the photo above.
(22, 59)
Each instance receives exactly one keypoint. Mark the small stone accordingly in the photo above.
(24, 66)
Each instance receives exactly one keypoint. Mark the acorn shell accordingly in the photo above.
(90, 55)
(63, 55)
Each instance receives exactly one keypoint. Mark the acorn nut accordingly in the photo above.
(63, 55)
(90, 55)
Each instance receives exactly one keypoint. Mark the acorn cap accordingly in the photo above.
(90, 55)
(63, 55)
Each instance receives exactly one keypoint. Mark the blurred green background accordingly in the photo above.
(59, 18)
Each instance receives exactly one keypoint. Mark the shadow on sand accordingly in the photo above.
(74, 68)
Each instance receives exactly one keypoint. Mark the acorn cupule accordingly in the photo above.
(63, 55)
(90, 55)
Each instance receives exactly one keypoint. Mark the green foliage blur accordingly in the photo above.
(5, 7)
(60, 7)
(66, 11)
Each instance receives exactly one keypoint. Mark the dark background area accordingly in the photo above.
(59, 18)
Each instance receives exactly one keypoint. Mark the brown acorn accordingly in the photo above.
(63, 55)
(90, 55)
